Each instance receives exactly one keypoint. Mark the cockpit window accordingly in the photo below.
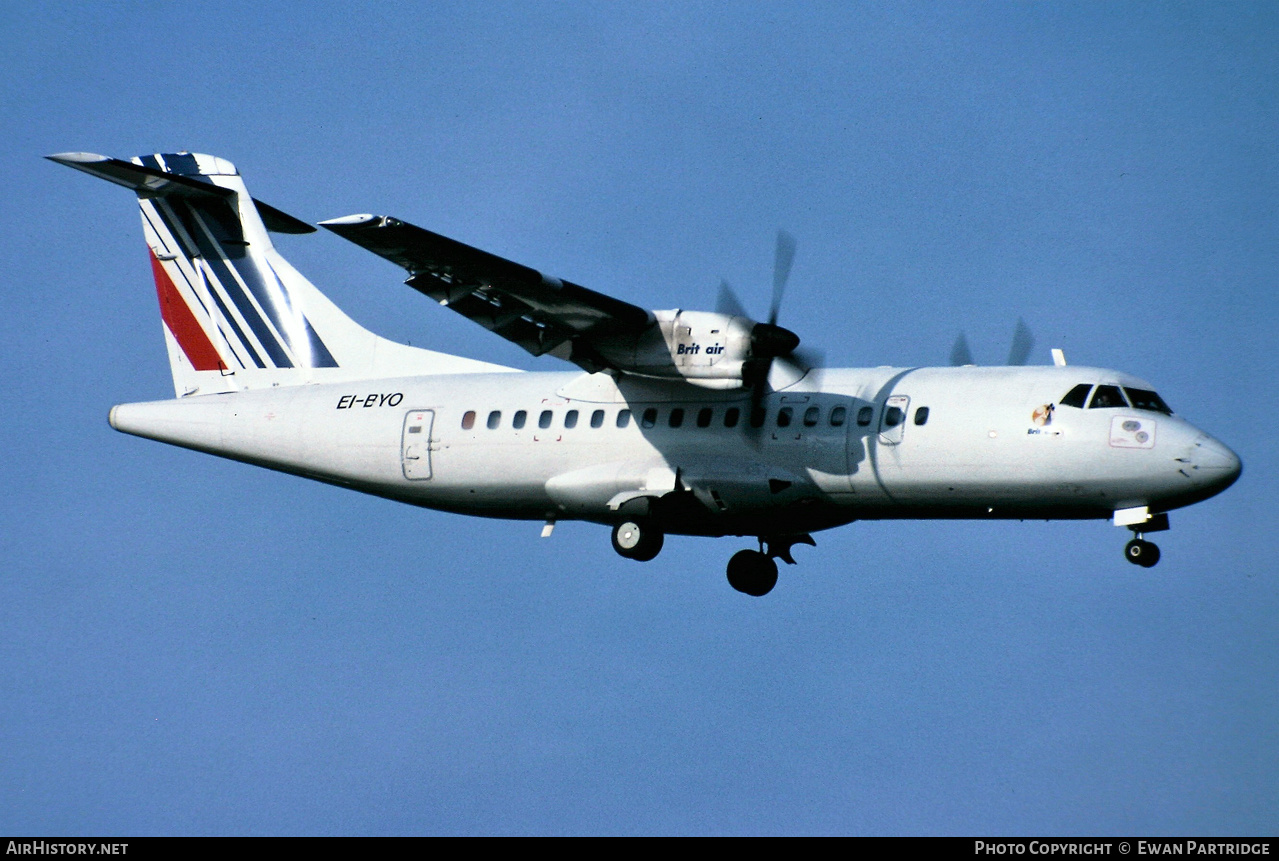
(1107, 397)
(1147, 400)
(1076, 397)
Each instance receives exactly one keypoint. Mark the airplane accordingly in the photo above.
(681, 422)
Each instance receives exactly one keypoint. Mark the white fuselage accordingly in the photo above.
(992, 443)
(699, 422)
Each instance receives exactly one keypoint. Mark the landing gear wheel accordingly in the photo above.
(1142, 553)
(752, 572)
(637, 540)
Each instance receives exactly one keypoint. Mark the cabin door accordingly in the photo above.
(415, 444)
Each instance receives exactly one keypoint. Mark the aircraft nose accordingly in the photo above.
(1213, 463)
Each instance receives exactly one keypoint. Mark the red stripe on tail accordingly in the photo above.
(183, 324)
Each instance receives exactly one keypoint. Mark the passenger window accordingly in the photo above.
(921, 416)
(1076, 397)
(468, 420)
(811, 416)
(731, 417)
(893, 416)
(1147, 400)
(623, 418)
(704, 417)
(677, 417)
(495, 419)
(838, 416)
(597, 419)
(864, 415)
(1107, 397)
(544, 420)
(783, 417)
(517, 420)
(570, 419)
(650, 417)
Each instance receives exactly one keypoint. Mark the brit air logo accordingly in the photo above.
(694, 348)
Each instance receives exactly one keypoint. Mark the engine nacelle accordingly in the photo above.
(705, 348)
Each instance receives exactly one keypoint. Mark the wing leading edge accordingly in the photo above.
(540, 313)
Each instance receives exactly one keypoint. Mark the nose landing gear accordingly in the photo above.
(1141, 552)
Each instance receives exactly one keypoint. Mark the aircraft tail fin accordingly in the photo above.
(236, 314)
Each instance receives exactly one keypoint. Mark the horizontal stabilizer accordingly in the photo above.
(189, 183)
(236, 315)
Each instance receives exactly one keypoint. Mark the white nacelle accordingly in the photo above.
(702, 347)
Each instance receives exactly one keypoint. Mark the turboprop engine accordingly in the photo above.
(720, 349)
(706, 348)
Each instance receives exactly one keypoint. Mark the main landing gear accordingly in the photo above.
(638, 540)
(753, 572)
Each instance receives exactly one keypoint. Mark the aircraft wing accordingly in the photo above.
(540, 313)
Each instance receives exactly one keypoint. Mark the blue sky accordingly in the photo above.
(193, 646)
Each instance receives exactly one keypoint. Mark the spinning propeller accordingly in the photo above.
(769, 341)
(1018, 354)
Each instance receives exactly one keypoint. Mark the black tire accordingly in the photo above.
(752, 573)
(1142, 553)
(635, 539)
(1150, 558)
